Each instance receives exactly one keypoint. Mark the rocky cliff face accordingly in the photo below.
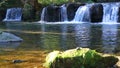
(96, 13)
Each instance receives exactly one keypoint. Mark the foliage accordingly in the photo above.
(28, 12)
(83, 1)
(62, 1)
(52, 1)
(10, 3)
(78, 58)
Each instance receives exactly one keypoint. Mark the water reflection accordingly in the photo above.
(55, 40)
(9, 45)
(64, 36)
(103, 38)
(109, 38)
(82, 35)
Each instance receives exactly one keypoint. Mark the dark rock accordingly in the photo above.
(71, 10)
(96, 13)
(2, 14)
(18, 61)
(118, 15)
(52, 13)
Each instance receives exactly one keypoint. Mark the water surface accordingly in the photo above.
(36, 36)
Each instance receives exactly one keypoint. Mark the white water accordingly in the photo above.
(82, 14)
(13, 14)
(110, 13)
(43, 14)
(64, 13)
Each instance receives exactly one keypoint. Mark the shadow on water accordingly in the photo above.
(36, 36)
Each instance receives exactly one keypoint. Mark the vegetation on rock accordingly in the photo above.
(61, 1)
(28, 12)
(79, 58)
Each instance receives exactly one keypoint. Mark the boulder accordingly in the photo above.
(2, 14)
(71, 10)
(79, 58)
(96, 13)
(8, 37)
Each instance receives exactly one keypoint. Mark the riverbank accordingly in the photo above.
(22, 59)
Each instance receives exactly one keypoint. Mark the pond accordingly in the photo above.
(104, 38)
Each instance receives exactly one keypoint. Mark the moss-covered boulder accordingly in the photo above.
(79, 58)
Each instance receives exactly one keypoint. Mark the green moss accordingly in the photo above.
(51, 57)
(78, 58)
(28, 12)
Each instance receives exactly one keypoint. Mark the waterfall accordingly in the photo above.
(13, 14)
(64, 13)
(82, 14)
(43, 14)
(102, 12)
(110, 12)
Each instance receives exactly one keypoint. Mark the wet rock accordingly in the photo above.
(118, 15)
(96, 13)
(2, 13)
(71, 10)
(18, 61)
(52, 13)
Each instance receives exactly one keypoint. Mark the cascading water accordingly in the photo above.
(104, 12)
(64, 13)
(82, 14)
(43, 14)
(110, 12)
(13, 14)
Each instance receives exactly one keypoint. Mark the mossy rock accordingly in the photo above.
(79, 58)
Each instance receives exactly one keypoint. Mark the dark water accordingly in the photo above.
(36, 36)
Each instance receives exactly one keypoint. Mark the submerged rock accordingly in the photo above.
(79, 58)
(8, 37)
(18, 61)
